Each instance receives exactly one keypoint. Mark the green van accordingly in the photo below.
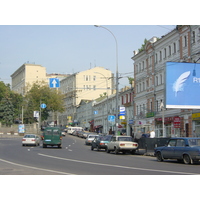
(52, 136)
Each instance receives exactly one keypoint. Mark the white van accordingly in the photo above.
(70, 130)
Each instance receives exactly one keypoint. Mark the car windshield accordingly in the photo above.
(125, 139)
(194, 142)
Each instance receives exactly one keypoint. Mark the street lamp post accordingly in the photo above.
(106, 100)
(117, 77)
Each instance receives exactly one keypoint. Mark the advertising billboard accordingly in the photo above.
(182, 85)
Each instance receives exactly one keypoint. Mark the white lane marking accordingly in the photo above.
(47, 170)
(117, 166)
(69, 150)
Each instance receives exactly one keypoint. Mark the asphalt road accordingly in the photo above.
(75, 158)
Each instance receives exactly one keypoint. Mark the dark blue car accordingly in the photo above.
(183, 149)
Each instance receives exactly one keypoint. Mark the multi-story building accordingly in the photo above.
(89, 84)
(126, 96)
(26, 75)
(94, 114)
(180, 45)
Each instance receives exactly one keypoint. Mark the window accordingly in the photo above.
(94, 78)
(172, 143)
(165, 53)
(156, 58)
(156, 80)
(185, 41)
(160, 55)
(170, 51)
(174, 47)
(94, 87)
(161, 81)
(180, 143)
(193, 37)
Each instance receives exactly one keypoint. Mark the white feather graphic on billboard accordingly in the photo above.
(179, 83)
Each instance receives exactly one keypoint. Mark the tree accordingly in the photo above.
(143, 45)
(7, 110)
(130, 79)
(41, 93)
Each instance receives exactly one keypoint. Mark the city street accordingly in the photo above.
(75, 158)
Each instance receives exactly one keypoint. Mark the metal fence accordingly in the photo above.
(148, 144)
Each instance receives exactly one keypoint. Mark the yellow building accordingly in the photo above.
(26, 75)
(88, 84)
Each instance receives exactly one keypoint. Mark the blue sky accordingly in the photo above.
(73, 48)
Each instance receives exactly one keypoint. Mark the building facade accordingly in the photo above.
(89, 84)
(180, 45)
(26, 75)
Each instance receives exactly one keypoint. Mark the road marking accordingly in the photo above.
(117, 166)
(47, 170)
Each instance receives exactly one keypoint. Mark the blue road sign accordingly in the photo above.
(95, 112)
(54, 83)
(43, 105)
(111, 118)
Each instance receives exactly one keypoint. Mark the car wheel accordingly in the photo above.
(92, 148)
(186, 159)
(116, 151)
(107, 150)
(159, 156)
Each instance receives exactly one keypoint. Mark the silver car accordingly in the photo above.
(31, 139)
(90, 138)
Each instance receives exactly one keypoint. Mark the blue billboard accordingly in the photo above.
(182, 85)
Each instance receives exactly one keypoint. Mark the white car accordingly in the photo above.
(122, 144)
(90, 138)
(31, 139)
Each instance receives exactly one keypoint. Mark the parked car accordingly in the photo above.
(122, 144)
(85, 134)
(183, 149)
(100, 142)
(80, 134)
(90, 138)
(31, 139)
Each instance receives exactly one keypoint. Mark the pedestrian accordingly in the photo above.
(152, 134)
(194, 134)
(137, 136)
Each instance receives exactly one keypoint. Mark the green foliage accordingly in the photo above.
(7, 111)
(11, 103)
(130, 79)
(143, 45)
(41, 93)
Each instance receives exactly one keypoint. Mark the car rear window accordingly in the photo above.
(194, 142)
(29, 136)
(125, 139)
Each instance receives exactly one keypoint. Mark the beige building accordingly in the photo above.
(89, 84)
(26, 75)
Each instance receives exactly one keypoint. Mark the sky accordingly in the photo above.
(73, 48)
